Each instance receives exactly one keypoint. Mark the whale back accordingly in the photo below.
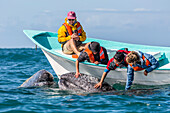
(83, 83)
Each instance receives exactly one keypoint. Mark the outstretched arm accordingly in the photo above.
(154, 64)
(130, 77)
(77, 69)
(101, 81)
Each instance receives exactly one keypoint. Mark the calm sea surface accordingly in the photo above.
(17, 65)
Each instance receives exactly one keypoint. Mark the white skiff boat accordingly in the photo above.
(62, 63)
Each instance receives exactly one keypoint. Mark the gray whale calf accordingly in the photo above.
(41, 78)
(83, 83)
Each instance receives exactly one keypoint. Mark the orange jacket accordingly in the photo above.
(69, 30)
(136, 68)
(64, 34)
(91, 56)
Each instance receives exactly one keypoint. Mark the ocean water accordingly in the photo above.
(17, 65)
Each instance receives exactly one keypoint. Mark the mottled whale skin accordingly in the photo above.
(83, 83)
(41, 78)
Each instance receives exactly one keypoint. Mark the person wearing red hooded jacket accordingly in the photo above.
(119, 60)
(134, 61)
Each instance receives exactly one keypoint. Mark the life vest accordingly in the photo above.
(136, 68)
(116, 64)
(111, 65)
(91, 56)
(69, 30)
(125, 64)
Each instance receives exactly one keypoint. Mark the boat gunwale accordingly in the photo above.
(72, 59)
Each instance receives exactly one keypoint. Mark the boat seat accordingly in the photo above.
(60, 52)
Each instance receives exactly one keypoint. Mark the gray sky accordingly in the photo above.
(132, 21)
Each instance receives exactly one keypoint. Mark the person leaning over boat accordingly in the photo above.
(138, 61)
(119, 60)
(71, 35)
(94, 53)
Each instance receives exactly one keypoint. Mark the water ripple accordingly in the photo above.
(19, 64)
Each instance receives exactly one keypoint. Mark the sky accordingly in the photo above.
(132, 21)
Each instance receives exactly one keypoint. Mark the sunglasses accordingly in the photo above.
(71, 19)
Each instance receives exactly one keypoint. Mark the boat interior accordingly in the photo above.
(48, 42)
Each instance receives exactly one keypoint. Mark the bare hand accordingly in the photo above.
(77, 75)
(98, 85)
(145, 73)
(75, 36)
(96, 62)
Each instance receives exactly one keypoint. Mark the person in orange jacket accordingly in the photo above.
(71, 35)
(138, 61)
(94, 53)
(134, 61)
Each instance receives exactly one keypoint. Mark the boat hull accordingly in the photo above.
(62, 66)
